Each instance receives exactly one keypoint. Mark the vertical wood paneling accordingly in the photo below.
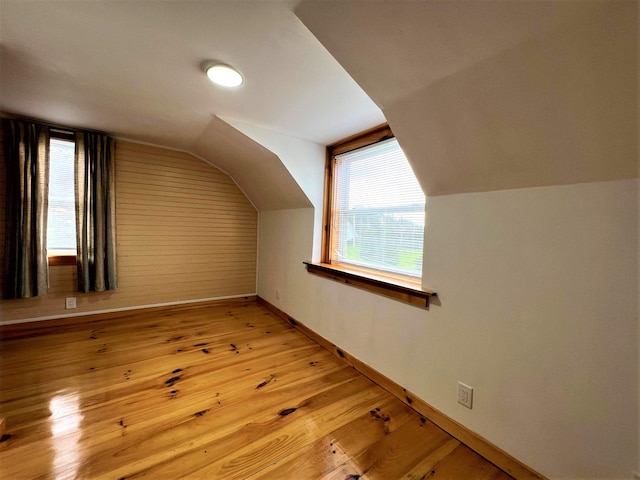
(185, 231)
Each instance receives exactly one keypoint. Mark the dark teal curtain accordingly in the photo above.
(26, 269)
(95, 212)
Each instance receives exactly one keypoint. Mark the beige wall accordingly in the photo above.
(520, 120)
(537, 311)
(185, 231)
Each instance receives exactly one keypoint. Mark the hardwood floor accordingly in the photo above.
(227, 391)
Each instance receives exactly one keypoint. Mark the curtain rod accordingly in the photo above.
(53, 126)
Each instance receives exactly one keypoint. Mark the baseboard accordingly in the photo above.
(244, 296)
(483, 447)
(10, 327)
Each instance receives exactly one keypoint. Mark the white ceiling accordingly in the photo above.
(490, 95)
(395, 48)
(482, 95)
(133, 69)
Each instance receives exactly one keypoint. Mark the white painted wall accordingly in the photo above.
(539, 313)
(637, 472)
(304, 160)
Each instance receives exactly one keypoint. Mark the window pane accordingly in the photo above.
(378, 218)
(61, 223)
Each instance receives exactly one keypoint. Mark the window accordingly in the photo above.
(378, 211)
(373, 219)
(61, 220)
(376, 208)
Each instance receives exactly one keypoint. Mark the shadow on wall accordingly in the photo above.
(552, 110)
(258, 172)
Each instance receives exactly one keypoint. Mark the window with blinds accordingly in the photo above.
(61, 221)
(377, 214)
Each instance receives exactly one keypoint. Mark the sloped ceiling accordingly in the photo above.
(495, 95)
(258, 171)
(133, 69)
(482, 95)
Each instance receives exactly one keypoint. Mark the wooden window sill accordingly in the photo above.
(397, 289)
(57, 260)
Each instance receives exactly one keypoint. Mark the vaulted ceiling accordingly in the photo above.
(491, 95)
(482, 95)
(134, 70)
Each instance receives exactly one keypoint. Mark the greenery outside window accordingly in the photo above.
(61, 217)
(375, 208)
(374, 216)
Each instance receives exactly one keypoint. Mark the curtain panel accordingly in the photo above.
(95, 212)
(27, 163)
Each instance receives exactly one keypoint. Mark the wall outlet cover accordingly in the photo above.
(465, 395)
(70, 302)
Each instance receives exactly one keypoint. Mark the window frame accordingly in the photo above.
(399, 287)
(369, 137)
(54, 259)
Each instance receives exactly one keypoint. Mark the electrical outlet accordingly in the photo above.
(465, 395)
(70, 302)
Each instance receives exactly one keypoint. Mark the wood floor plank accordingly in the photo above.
(395, 454)
(220, 391)
(461, 461)
(426, 466)
(107, 367)
(333, 450)
(270, 436)
(193, 385)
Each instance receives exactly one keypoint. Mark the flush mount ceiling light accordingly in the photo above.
(223, 75)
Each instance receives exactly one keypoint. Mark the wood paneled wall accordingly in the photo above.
(185, 231)
(3, 207)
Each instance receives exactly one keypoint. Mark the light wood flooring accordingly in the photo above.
(227, 391)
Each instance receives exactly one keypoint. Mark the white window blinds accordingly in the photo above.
(61, 221)
(378, 210)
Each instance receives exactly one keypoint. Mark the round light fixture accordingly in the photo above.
(224, 75)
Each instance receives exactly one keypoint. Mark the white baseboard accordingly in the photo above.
(121, 309)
